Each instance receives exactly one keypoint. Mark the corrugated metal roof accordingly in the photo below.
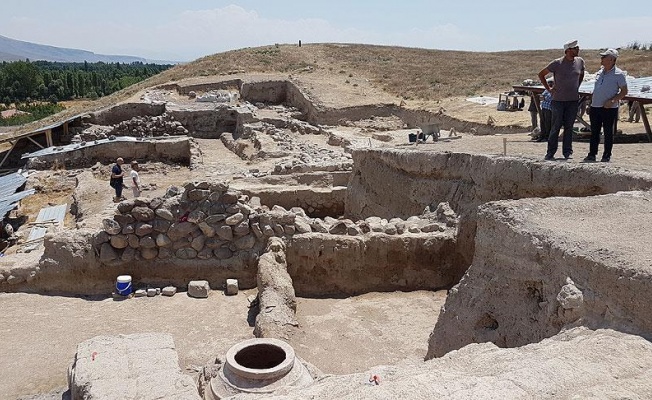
(10, 183)
(8, 203)
(16, 135)
(634, 87)
(50, 214)
(36, 233)
(77, 146)
(54, 214)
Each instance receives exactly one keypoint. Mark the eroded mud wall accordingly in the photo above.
(175, 150)
(400, 183)
(322, 265)
(124, 112)
(207, 124)
(544, 264)
(274, 92)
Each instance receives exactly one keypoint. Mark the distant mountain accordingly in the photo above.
(15, 50)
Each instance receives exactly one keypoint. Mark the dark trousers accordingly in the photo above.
(117, 185)
(602, 119)
(563, 114)
(546, 122)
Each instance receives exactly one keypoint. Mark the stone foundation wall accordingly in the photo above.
(211, 232)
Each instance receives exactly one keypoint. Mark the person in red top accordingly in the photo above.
(568, 73)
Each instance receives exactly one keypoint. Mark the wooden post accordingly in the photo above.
(48, 137)
(504, 146)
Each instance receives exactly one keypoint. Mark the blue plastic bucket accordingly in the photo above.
(123, 285)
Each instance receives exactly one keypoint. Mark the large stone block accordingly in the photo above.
(138, 366)
(198, 289)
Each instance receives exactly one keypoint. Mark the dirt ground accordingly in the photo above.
(40, 333)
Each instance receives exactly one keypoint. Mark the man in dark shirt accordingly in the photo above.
(568, 72)
(117, 176)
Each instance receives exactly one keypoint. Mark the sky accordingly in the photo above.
(184, 30)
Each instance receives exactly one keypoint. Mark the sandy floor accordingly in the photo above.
(40, 333)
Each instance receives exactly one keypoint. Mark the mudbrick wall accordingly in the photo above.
(400, 183)
(211, 232)
(124, 112)
(171, 149)
(558, 263)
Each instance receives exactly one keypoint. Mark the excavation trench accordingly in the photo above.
(383, 252)
(404, 222)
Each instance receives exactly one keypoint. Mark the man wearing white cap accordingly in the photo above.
(568, 73)
(610, 87)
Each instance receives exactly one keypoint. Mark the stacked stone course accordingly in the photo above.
(210, 221)
(146, 126)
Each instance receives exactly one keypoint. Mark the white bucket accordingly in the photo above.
(123, 285)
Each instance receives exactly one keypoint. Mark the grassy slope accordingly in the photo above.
(407, 72)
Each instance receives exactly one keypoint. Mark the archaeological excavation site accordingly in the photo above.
(283, 247)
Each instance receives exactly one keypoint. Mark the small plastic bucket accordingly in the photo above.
(123, 285)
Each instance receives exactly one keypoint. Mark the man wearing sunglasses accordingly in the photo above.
(568, 73)
(610, 87)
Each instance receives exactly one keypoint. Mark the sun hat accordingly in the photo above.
(610, 52)
(570, 45)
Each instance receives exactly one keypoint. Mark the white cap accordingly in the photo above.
(610, 52)
(570, 45)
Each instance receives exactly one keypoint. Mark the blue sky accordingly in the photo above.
(184, 30)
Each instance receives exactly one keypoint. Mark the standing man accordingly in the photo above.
(135, 178)
(117, 181)
(610, 87)
(568, 73)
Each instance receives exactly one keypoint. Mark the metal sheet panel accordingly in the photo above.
(49, 214)
(37, 233)
(6, 207)
(10, 183)
(76, 146)
(634, 88)
(8, 203)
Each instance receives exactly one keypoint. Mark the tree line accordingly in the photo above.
(25, 81)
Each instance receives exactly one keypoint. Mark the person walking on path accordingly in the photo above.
(117, 181)
(546, 113)
(568, 73)
(609, 89)
(135, 178)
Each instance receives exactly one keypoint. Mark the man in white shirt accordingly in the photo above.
(135, 179)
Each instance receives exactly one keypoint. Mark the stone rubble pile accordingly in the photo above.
(307, 157)
(94, 132)
(217, 96)
(210, 221)
(144, 126)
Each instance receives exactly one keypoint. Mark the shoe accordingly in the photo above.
(605, 159)
(589, 159)
(568, 156)
(542, 139)
(549, 158)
